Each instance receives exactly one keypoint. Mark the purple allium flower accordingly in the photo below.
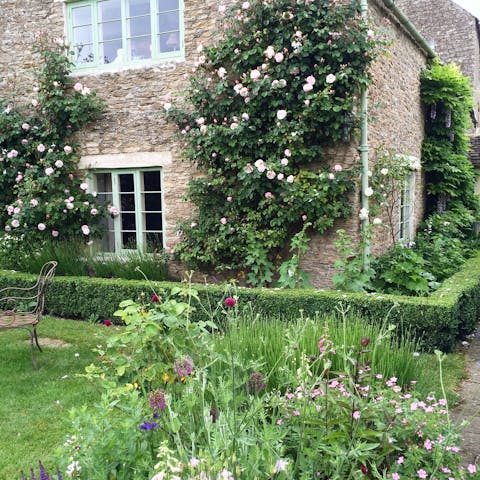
(148, 425)
(183, 367)
(256, 383)
(156, 400)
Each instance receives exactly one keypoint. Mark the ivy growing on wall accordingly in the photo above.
(262, 104)
(450, 180)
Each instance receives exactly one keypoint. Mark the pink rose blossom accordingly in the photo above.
(245, 5)
(49, 171)
(67, 149)
(15, 223)
(269, 195)
(310, 80)
(279, 57)
(84, 186)
(33, 202)
(8, 228)
(395, 476)
(338, 168)
(93, 211)
(24, 141)
(287, 153)
(34, 102)
(12, 154)
(26, 126)
(280, 176)
(78, 87)
(269, 52)
(245, 116)
(370, 34)
(16, 210)
(223, 221)
(290, 179)
(281, 114)
(70, 206)
(85, 229)
(331, 176)
(229, 199)
(41, 147)
(41, 227)
(471, 468)
(54, 233)
(59, 164)
(271, 174)
(307, 87)
(255, 75)
(330, 78)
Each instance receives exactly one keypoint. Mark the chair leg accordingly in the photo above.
(32, 346)
(36, 338)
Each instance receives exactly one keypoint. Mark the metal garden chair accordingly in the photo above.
(23, 307)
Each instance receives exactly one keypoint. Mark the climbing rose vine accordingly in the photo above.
(279, 86)
(42, 194)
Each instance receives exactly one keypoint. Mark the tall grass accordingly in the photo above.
(275, 344)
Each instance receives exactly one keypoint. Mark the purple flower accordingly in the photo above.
(256, 383)
(156, 400)
(183, 367)
(148, 425)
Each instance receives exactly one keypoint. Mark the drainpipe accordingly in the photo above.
(363, 148)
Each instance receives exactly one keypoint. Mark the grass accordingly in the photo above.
(35, 404)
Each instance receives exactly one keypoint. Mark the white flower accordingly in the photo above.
(167, 106)
(245, 116)
(245, 5)
(221, 72)
(330, 78)
(290, 179)
(368, 192)
(363, 215)
(200, 121)
(279, 57)
(269, 52)
(377, 221)
(78, 87)
(83, 186)
(271, 174)
(281, 114)
(222, 9)
(49, 171)
(85, 229)
(41, 226)
(384, 171)
(280, 466)
(255, 74)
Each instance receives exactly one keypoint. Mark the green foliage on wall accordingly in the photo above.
(278, 87)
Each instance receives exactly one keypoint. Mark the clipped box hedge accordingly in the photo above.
(439, 320)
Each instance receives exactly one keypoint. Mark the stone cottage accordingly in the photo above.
(454, 33)
(135, 53)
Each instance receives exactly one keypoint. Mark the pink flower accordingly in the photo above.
(269, 195)
(280, 465)
(223, 221)
(338, 168)
(370, 34)
(471, 468)
(280, 176)
(34, 102)
(422, 473)
(331, 176)
(85, 229)
(67, 149)
(93, 211)
(310, 80)
(281, 114)
(33, 202)
(290, 179)
(229, 199)
(26, 126)
(41, 227)
(59, 164)
(15, 223)
(395, 476)
(230, 302)
(41, 147)
(279, 57)
(12, 154)
(330, 78)
(78, 87)
(400, 460)
(245, 116)
(356, 415)
(245, 5)
(271, 174)
(107, 322)
(269, 52)
(255, 75)
(155, 298)
(287, 153)
(83, 186)
(307, 87)
(54, 233)
(49, 171)
(24, 141)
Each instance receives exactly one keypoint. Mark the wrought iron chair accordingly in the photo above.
(23, 307)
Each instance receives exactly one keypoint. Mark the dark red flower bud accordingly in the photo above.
(213, 414)
(364, 342)
(363, 469)
(230, 302)
(107, 322)
(155, 298)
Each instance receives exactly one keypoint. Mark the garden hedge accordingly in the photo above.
(438, 321)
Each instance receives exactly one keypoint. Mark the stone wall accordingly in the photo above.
(454, 32)
(132, 128)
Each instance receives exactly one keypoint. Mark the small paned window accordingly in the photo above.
(137, 196)
(407, 200)
(116, 32)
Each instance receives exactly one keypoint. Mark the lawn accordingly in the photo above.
(35, 404)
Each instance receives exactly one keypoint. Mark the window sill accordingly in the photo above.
(164, 65)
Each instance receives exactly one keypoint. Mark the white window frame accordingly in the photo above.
(139, 199)
(122, 59)
(407, 208)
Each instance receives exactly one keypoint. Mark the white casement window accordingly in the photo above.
(105, 33)
(137, 195)
(407, 201)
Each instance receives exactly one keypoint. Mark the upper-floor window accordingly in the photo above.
(118, 32)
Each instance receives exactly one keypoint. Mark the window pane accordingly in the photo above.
(154, 241)
(107, 243)
(126, 182)
(109, 10)
(153, 221)
(129, 240)
(104, 182)
(127, 202)
(164, 5)
(139, 26)
(83, 54)
(82, 15)
(153, 202)
(82, 35)
(128, 221)
(169, 42)
(151, 181)
(140, 48)
(110, 31)
(168, 21)
(138, 7)
(109, 51)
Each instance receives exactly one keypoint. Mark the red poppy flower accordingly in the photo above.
(230, 302)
